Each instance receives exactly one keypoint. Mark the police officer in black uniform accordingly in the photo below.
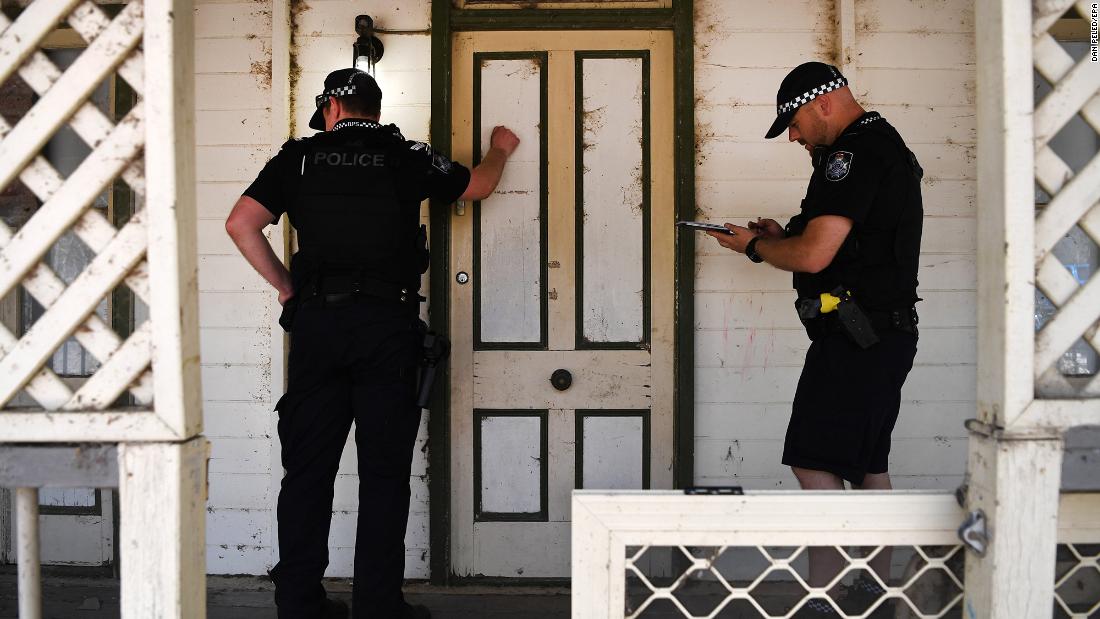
(350, 301)
(854, 252)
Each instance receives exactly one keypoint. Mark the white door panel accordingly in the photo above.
(571, 269)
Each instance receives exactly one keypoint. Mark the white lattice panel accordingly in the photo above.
(141, 47)
(1075, 201)
(773, 582)
(1077, 584)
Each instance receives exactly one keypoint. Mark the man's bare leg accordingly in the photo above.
(881, 562)
(810, 479)
(875, 481)
(825, 563)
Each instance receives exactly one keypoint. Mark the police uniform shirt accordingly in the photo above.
(421, 172)
(353, 194)
(868, 176)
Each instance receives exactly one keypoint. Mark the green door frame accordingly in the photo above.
(447, 20)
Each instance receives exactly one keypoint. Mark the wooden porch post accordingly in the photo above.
(1014, 468)
(1015, 482)
(162, 485)
(162, 536)
(30, 569)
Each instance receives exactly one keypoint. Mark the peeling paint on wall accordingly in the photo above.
(297, 7)
(828, 42)
(262, 69)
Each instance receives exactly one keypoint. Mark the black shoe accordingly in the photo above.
(334, 609)
(816, 608)
(864, 593)
(416, 612)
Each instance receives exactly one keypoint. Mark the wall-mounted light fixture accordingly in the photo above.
(367, 49)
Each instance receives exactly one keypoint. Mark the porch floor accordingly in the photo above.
(89, 594)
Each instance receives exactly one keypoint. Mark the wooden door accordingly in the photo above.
(567, 268)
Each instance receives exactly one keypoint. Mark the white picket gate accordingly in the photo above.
(701, 575)
(161, 457)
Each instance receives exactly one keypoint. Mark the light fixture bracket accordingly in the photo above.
(367, 49)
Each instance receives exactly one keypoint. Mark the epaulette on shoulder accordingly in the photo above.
(395, 131)
(863, 127)
(849, 142)
(864, 134)
(293, 143)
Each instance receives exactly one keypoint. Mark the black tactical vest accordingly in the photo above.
(878, 261)
(347, 211)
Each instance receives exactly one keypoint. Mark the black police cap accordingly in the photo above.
(345, 82)
(802, 85)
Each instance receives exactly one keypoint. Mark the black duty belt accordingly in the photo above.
(335, 289)
(905, 320)
(900, 320)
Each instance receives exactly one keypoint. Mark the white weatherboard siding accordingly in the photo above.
(749, 344)
(233, 129)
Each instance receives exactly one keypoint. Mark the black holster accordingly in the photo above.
(855, 324)
(436, 349)
(290, 308)
(848, 317)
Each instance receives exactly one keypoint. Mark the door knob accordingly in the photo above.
(561, 379)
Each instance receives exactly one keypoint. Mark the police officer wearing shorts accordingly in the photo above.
(351, 305)
(853, 250)
(857, 242)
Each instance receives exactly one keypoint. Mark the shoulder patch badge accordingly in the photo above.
(441, 163)
(838, 165)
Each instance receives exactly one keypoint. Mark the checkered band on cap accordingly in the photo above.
(341, 91)
(810, 95)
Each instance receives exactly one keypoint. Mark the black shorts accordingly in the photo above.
(847, 403)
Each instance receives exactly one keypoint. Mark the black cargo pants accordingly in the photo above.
(355, 361)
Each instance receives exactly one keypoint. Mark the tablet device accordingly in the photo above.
(698, 225)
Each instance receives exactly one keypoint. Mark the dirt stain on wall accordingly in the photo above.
(262, 70)
(827, 42)
(297, 8)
